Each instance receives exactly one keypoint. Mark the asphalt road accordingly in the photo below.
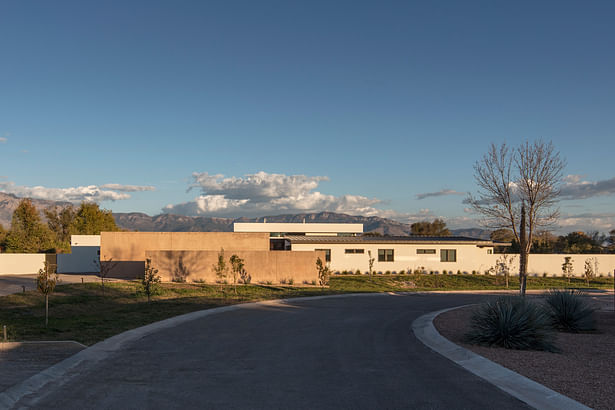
(337, 353)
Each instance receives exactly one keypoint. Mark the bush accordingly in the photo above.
(387, 272)
(513, 323)
(458, 272)
(569, 310)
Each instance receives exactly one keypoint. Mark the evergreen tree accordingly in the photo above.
(28, 233)
(435, 228)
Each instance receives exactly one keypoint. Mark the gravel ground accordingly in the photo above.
(582, 371)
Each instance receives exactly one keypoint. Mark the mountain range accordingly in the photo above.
(136, 221)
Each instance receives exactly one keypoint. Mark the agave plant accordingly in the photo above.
(569, 310)
(513, 323)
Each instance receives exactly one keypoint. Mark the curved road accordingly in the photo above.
(333, 353)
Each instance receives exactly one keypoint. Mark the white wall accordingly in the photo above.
(469, 258)
(21, 263)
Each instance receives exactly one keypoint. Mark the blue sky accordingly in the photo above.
(250, 102)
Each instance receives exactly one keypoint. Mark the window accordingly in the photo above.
(327, 254)
(423, 251)
(354, 250)
(448, 255)
(385, 255)
(489, 251)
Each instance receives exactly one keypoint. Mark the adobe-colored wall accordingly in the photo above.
(263, 266)
(127, 249)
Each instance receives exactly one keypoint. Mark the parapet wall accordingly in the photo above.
(263, 266)
(124, 252)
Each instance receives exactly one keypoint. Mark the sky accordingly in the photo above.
(244, 108)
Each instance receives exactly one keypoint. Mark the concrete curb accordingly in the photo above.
(62, 372)
(524, 389)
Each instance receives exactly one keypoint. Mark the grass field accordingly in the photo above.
(80, 312)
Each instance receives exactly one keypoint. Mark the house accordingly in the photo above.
(435, 254)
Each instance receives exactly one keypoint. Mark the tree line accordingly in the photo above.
(546, 242)
(29, 233)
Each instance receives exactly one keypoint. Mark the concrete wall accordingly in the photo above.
(80, 260)
(124, 252)
(24, 263)
(469, 258)
(263, 266)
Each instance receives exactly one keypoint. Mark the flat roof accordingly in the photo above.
(413, 239)
(297, 227)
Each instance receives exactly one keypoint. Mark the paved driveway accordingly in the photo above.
(336, 353)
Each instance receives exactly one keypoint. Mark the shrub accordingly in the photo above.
(387, 272)
(282, 281)
(402, 272)
(358, 272)
(291, 281)
(569, 310)
(473, 272)
(458, 272)
(544, 275)
(513, 323)
(198, 280)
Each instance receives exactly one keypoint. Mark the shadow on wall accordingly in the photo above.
(125, 269)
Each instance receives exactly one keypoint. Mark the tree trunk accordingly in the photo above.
(46, 310)
(523, 254)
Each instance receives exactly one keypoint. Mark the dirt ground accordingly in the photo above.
(583, 370)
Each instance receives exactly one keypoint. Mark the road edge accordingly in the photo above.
(524, 389)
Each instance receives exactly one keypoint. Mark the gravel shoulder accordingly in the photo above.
(582, 371)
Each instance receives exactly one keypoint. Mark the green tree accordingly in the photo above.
(28, 233)
(91, 220)
(237, 265)
(567, 267)
(323, 272)
(435, 228)
(150, 280)
(60, 222)
(46, 283)
(220, 268)
(3, 234)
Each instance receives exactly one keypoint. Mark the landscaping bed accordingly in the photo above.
(582, 370)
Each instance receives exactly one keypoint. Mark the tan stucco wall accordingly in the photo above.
(263, 266)
(127, 249)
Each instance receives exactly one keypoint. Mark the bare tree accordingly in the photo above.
(518, 189)
(104, 267)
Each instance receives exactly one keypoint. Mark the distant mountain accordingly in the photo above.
(9, 202)
(136, 221)
(178, 223)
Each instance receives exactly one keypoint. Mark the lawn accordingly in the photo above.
(80, 311)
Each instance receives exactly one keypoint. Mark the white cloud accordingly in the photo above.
(3, 140)
(90, 193)
(587, 222)
(439, 193)
(574, 187)
(265, 194)
(128, 188)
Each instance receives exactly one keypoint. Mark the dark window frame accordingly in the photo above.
(448, 255)
(426, 251)
(354, 250)
(386, 255)
(327, 254)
